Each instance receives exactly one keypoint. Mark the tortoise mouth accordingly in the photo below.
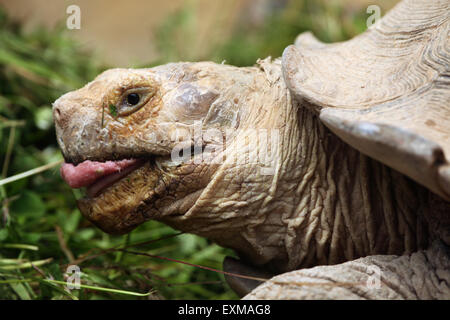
(106, 181)
(121, 194)
(117, 202)
(97, 176)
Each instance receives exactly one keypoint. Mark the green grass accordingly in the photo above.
(41, 229)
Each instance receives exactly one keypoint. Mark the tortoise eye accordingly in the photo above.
(133, 99)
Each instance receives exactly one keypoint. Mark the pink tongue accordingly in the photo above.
(87, 172)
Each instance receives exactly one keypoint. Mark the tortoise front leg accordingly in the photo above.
(421, 275)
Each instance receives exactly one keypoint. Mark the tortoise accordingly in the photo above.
(327, 170)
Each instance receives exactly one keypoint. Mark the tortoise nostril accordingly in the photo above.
(57, 114)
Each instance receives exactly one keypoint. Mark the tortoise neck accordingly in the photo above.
(344, 204)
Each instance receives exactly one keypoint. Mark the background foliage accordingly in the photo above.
(39, 219)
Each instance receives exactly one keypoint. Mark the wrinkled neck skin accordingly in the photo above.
(321, 203)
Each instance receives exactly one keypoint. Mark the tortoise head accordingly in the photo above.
(162, 143)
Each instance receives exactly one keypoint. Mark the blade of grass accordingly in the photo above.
(7, 123)
(26, 265)
(11, 261)
(20, 290)
(30, 172)
(19, 246)
(12, 134)
(120, 254)
(63, 245)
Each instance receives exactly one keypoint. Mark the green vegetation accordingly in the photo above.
(41, 231)
(328, 20)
